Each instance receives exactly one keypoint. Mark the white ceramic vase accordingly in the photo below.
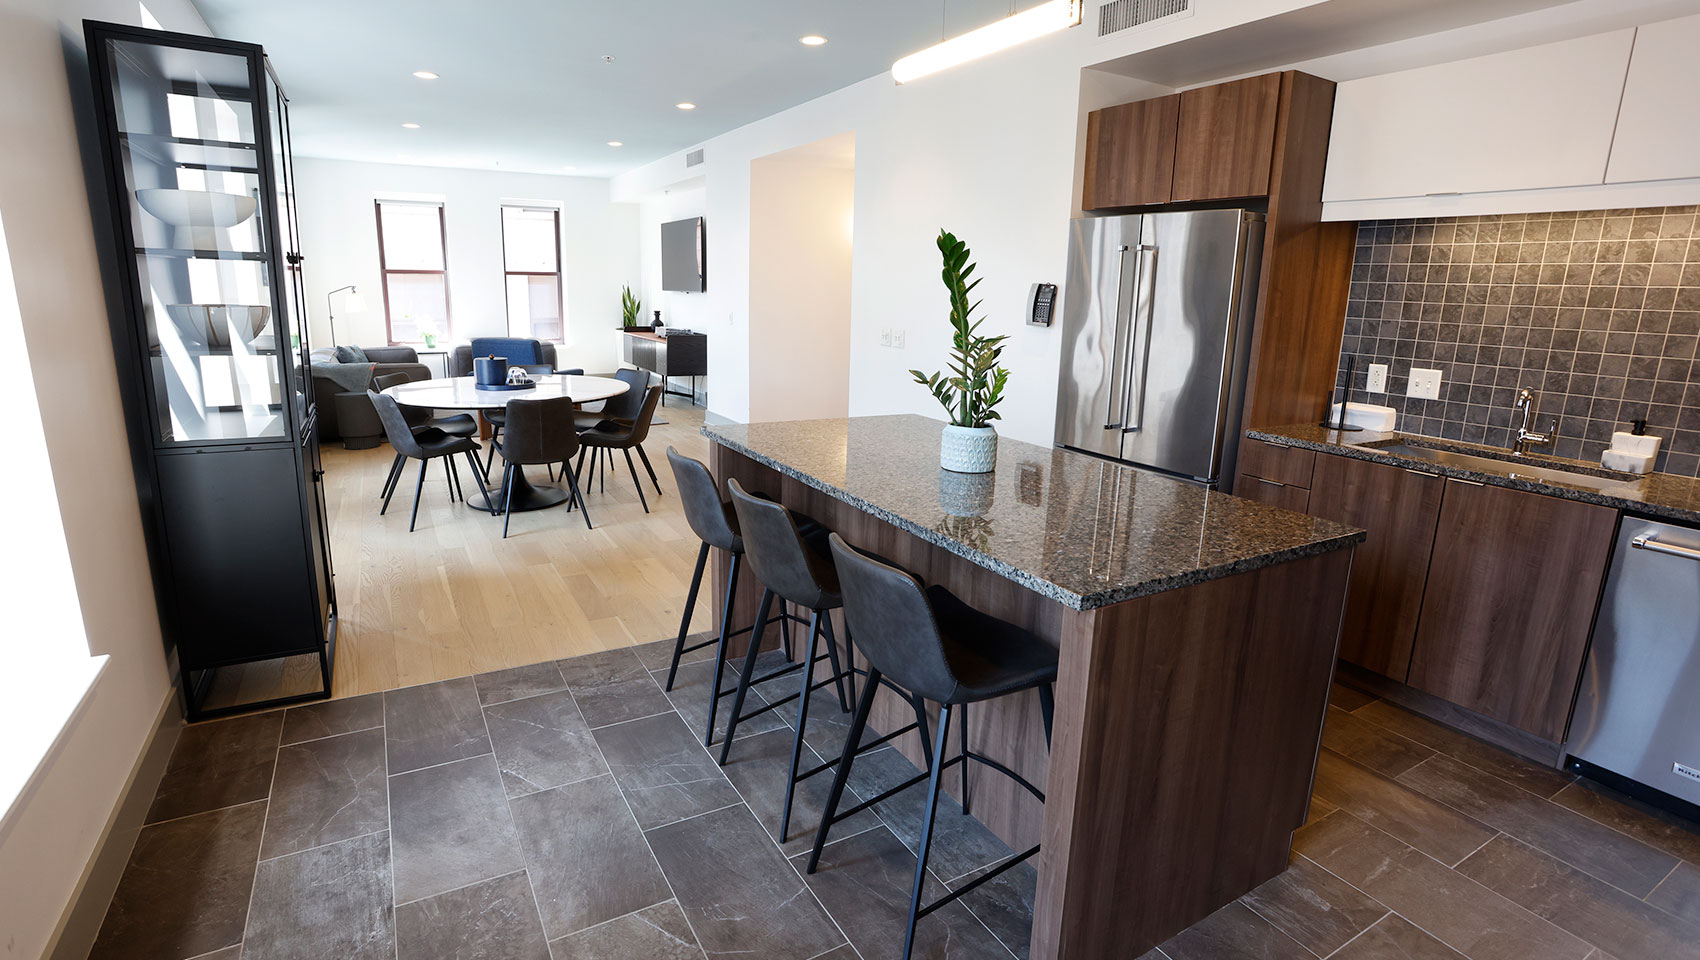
(968, 449)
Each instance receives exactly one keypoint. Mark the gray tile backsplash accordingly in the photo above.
(1597, 311)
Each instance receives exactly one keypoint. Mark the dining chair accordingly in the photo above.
(421, 418)
(603, 439)
(425, 445)
(538, 432)
(498, 418)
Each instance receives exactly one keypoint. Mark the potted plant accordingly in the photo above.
(428, 330)
(630, 307)
(971, 395)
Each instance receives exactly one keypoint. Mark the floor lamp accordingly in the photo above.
(356, 303)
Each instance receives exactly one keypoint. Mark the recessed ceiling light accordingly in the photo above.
(410, 126)
(615, 143)
(425, 75)
(812, 40)
(687, 105)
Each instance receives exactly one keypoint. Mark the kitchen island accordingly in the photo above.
(1197, 636)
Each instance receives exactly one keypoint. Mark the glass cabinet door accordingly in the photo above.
(189, 150)
(289, 235)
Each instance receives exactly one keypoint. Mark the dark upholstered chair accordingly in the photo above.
(516, 349)
(498, 418)
(420, 418)
(425, 445)
(928, 642)
(360, 423)
(625, 436)
(538, 432)
(624, 406)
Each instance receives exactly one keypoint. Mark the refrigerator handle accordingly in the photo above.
(1139, 345)
(1118, 346)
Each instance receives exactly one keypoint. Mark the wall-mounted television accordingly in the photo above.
(684, 256)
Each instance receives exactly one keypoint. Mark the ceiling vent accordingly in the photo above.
(1115, 16)
(694, 158)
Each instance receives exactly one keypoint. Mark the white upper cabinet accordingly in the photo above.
(1658, 129)
(1535, 118)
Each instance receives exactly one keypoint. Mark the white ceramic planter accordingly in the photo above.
(968, 449)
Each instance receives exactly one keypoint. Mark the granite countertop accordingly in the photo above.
(1655, 494)
(1083, 531)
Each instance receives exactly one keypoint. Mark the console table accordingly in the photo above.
(675, 355)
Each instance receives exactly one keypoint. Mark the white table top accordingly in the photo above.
(460, 393)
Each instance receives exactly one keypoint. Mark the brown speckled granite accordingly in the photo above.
(1656, 494)
(1083, 531)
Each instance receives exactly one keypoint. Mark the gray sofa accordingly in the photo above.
(356, 424)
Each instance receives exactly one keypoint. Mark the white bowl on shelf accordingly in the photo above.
(198, 215)
(210, 325)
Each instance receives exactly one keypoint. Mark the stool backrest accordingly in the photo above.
(416, 416)
(704, 510)
(892, 622)
(539, 431)
(776, 552)
(396, 427)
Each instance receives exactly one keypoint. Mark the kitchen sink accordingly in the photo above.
(1518, 468)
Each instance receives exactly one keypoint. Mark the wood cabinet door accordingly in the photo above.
(1509, 604)
(1272, 492)
(1399, 508)
(1130, 153)
(1225, 142)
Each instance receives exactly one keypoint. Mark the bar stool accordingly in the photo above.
(716, 524)
(930, 643)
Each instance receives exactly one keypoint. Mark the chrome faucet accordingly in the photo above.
(1527, 437)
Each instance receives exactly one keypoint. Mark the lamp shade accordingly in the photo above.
(355, 302)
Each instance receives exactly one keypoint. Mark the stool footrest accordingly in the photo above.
(1018, 778)
(971, 885)
(864, 748)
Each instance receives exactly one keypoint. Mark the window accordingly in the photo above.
(531, 257)
(413, 254)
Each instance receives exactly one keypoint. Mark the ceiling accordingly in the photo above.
(524, 84)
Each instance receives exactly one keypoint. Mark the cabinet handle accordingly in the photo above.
(1473, 483)
(1270, 482)
(1649, 542)
(1422, 473)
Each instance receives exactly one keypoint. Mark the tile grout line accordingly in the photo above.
(188, 816)
(389, 822)
(1277, 928)
(507, 804)
(328, 736)
(1365, 930)
(321, 846)
(1496, 835)
(265, 820)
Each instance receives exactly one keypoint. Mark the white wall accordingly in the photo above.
(800, 270)
(44, 122)
(339, 238)
(691, 311)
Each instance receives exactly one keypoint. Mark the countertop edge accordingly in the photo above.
(1066, 597)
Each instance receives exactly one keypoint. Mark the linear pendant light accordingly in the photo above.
(1014, 29)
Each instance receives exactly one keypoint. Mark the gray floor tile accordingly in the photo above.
(663, 770)
(542, 742)
(185, 890)
(759, 768)
(1679, 894)
(218, 764)
(658, 655)
(1532, 777)
(1654, 827)
(331, 717)
(1415, 817)
(690, 695)
(327, 790)
(528, 681)
(612, 687)
(1233, 933)
(1314, 907)
(331, 901)
(433, 723)
(228, 953)
(1370, 744)
(1347, 698)
(846, 952)
(865, 882)
(961, 844)
(492, 920)
(1395, 939)
(657, 933)
(1005, 904)
(740, 895)
(587, 859)
(451, 828)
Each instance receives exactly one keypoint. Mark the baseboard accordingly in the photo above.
(80, 923)
(1500, 734)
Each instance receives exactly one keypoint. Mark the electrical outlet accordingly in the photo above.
(899, 338)
(1425, 384)
(1377, 378)
(885, 337)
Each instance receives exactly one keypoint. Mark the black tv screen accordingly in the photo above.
(684, 257)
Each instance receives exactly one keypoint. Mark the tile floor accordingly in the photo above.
(568, 811)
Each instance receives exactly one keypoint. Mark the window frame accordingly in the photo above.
(384, 270)
(558, 274)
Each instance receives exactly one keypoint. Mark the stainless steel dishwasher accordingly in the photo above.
(1638, 713)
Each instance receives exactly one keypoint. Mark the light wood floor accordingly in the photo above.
(453, 598)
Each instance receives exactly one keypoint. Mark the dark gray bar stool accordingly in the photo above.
(930, 643)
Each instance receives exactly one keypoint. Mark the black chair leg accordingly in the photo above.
(636, 482)
(837, 668)
(749, 672)
(394, 474)
(841, 776)
(927, 831)
(418, 489)
(802, 723)
(962, 737)
(785, 630)
(1047, 707)
(396, 482)
(449, 478)
(507, 498)
(572, 484)
(720, 653)
(490, 457)
(921, 726)
(652, 478)
(690, 607)
(478, 478)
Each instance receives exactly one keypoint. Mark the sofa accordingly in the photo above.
(514, 348)
(356, 423)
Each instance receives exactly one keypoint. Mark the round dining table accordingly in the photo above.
(463, 393)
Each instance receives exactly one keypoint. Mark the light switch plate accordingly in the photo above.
(899, 338)
(885, 336)
(1425, 384)
(1377, 378)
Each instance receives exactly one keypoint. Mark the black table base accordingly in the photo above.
(527, 495)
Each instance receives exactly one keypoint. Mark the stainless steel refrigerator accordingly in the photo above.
(1156, 326)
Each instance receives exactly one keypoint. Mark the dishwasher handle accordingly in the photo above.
(1647, 541)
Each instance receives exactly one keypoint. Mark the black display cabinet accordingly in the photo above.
(212, 348)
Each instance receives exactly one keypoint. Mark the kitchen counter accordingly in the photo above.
(1655, 494)
(1080, 530)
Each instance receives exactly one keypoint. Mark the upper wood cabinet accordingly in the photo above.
(1510, 602)
(1658, 128)
(1130, 153)
(1226, 139)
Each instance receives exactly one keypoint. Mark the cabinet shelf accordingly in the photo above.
(181, 253)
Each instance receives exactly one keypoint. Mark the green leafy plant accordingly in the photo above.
(630, 307)
(970, 396)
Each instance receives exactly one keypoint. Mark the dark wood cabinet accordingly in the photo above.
(675, 355)
(1277, 462)
(1272, 492)
(1225, 140)
(1509, 603)
(1130, 153)
(1399, 508)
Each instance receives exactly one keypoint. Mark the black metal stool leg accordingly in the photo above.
(685, 620)
(962, 736)
(802, 722)
(837, 668)
(449, 478)
(841, 776)
(749, 671)
(927, 831)
(785, 630)
(921, 724)
(478, 477)
(1048, 707)
(507, 497)
(418, 489)
(490, 458)
(572, 484)
(720, 654)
